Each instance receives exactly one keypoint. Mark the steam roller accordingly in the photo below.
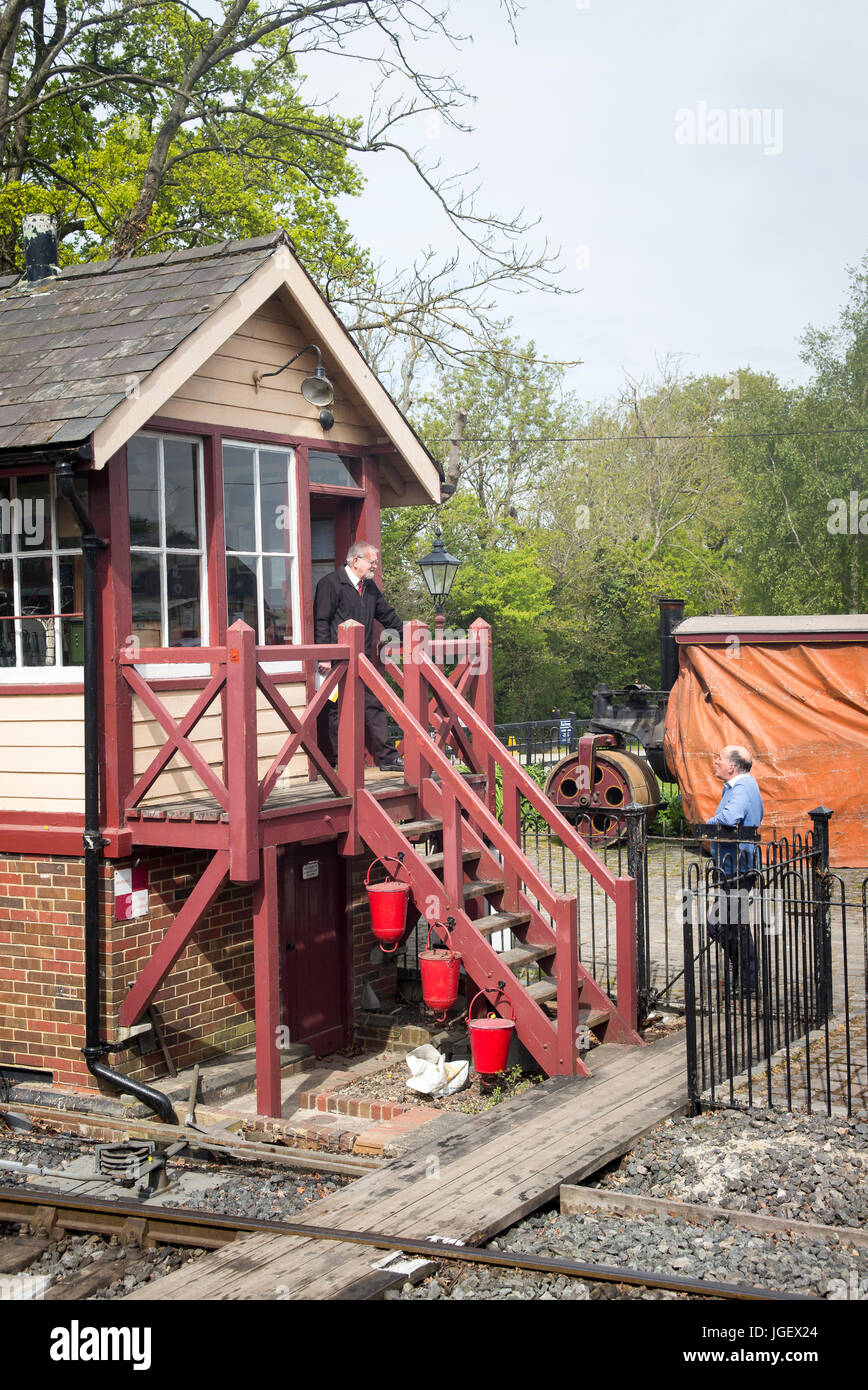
(590, 786)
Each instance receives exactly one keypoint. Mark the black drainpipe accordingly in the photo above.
(95, 1049)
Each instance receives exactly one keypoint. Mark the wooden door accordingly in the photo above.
(313, 934)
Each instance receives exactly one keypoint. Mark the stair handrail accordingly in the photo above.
(515, 775)
(463, 792)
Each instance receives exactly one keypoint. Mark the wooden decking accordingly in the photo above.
(474, 1180)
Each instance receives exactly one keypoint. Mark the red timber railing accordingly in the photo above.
(547, 919)
(440, 716)
(243, 852)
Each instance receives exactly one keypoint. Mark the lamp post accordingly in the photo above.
(439, 569)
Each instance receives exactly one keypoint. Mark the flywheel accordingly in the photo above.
(618, 778)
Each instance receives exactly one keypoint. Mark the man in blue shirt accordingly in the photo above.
(740, 805)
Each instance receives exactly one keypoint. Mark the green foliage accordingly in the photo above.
(797, 549)
(245, 155)
(511, 1083)
(530, 818)
(670, 818)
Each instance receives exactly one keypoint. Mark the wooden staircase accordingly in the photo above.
(480, 877)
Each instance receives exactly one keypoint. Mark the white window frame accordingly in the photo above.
(40, 675)
(272, 667)
(177, 670)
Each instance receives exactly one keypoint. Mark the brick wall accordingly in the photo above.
(369, 964)
(205, 1004)
(42, 964)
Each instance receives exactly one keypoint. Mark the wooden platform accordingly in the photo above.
(468, 1184)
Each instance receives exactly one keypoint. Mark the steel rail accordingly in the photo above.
(138, 1222)
(220, 1143)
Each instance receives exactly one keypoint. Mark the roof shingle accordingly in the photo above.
(67, 345)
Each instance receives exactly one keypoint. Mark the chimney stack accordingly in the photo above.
(41, 255)
(671, 614)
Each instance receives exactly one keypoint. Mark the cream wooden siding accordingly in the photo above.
(41, 753)
(222, 392)
(179, 781)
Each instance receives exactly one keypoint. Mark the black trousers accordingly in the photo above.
(376, 733)
(729, 923)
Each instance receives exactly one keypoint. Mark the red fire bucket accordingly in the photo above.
(489, 1037)
(388, 903)
(440, 970)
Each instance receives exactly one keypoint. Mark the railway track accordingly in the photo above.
(141, 1224)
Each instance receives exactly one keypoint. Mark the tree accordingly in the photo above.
(151, 124)
(797, 456)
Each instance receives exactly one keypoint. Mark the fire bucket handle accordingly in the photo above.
(395, 858)
(446, 926)
(500, 989)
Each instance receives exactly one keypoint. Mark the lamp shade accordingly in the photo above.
(317, 388)
(438, 569)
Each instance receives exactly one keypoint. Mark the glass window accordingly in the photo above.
(261, 545)
(335, 470)
(167, 559)
(41, 599)
(322, 547)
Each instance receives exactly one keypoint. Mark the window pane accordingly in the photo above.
(37, 597)
(182, 493)
(239, 498)
(143, 487)
(277, 596)
(37, 590)
(185, 624)
(68, 529)
(7, 629)
(72, 636)
(71, 601)
(145, 589)
(333, 469)
(32, 515)
(241, 590)
(6, 516)
(274, 501)
(322, 538)
(71, 584)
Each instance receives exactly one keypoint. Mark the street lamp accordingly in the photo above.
(439, 569)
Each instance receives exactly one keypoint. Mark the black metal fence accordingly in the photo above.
(543, 741)
(766, 964)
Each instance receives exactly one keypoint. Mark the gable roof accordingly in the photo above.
(97, 350)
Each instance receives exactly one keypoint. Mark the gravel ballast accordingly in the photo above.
(243, 1190)
(799, 1168)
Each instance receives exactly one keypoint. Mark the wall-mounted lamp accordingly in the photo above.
(317, 388)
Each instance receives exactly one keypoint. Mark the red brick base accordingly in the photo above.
(205, 1004)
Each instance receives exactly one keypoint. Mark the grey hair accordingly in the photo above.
(358, 549)
(740, 758)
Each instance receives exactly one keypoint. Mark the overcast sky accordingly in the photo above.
(604, 121)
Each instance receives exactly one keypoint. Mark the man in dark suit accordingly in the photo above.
(351, 593)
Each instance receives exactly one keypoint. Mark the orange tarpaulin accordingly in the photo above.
(802, 709)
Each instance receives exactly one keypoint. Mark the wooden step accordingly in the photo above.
(544, 991)
(525, 955)
(589, 1017)
(435, 861)
(413, 829)
(501, 921)
(483, 888)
